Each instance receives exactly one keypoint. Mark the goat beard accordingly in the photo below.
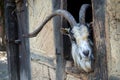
(85, 65)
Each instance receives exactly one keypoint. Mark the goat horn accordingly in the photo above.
(82, 12)
(59, 12)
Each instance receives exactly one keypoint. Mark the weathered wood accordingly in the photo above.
(100, 70)
(43, 59)
(58, 43)
(11, 30)
(24, 52)
(112, 23)
(66, 40)
(2, 29)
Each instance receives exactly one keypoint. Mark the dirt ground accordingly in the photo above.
(39, 70)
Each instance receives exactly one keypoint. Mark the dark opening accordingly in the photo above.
(73, 6)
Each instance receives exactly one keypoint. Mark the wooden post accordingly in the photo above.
(11, 30)
(2, 32)
(58, 43)
(16, 24)
(100, 70)
(66, 40)
(24, 51)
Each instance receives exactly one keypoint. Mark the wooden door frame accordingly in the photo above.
(100, 50)
(18, 53)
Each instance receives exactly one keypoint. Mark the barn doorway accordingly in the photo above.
(73, 6)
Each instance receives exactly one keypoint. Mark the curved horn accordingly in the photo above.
(82, 12)
(59, 12)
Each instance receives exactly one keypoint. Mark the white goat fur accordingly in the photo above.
(82, 44)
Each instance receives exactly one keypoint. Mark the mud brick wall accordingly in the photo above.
(113, 38)
(44, 42)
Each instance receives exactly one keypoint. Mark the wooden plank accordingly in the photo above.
(24, 52)
(66, 40)
(11, 30)
(58, 43)
(43, 59)
(100, 70)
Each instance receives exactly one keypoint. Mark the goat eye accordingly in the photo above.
(72, 36)
(86, 53)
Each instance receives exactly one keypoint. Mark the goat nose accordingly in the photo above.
(86, 53)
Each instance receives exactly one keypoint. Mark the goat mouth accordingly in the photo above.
(87, 67)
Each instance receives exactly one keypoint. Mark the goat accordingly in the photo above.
(78, 33)
(80, 42)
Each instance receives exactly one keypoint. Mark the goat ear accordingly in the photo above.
(64, 31)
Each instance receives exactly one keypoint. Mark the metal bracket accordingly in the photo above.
(18, 41)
